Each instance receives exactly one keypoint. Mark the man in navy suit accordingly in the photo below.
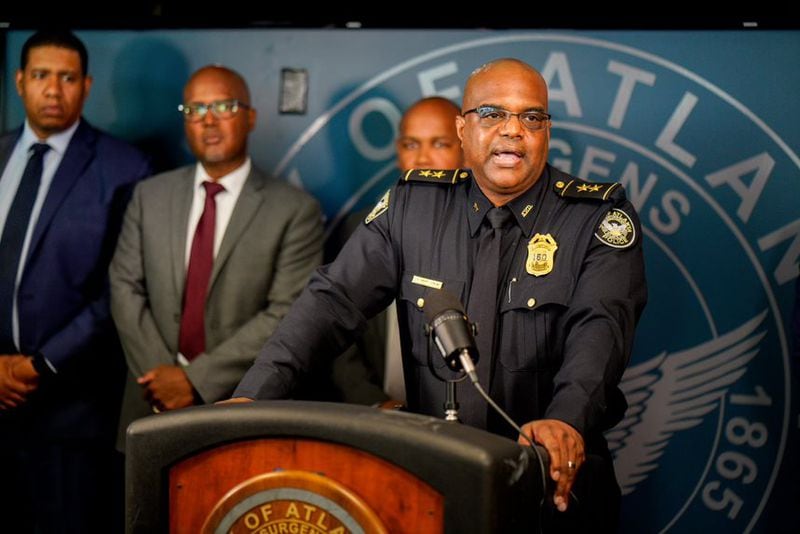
(63, 191)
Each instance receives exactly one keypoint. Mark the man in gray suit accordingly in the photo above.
(209, 259)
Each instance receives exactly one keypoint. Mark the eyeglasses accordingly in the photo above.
(489, 116)
(221, 109)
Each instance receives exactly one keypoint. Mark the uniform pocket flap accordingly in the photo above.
(531, 294)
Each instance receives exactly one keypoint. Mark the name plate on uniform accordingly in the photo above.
(427, 282)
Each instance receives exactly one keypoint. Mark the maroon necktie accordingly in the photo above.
(192, 340)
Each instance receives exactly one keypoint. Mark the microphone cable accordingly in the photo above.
(469, 369)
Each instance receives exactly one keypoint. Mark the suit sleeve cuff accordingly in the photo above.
(43, 366)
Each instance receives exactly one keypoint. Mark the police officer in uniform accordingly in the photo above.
(568, 293)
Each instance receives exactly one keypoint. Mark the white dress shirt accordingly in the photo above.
(226, 201)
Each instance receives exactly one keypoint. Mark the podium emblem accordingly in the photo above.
(292, 501)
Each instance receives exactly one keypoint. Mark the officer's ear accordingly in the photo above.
(460, 128)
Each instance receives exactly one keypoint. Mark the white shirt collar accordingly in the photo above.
(233, 182)
(58, 142)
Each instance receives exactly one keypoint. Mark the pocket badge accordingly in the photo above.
(541, 254)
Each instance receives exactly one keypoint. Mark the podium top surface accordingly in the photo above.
(474, 470)
(171, 436)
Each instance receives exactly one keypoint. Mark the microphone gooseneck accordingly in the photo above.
(451, 331)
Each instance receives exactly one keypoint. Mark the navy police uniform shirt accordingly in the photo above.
(571, 290)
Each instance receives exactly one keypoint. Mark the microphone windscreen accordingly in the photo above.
(438, 301)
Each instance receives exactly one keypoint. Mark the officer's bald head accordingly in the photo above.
(489, 75)
(506, 156)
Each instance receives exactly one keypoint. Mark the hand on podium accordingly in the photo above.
(565, 446)
(234, 400)
(391, 405)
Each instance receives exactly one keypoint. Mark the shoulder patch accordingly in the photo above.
(436, 176)
(616, 230)
(577, 188)
(380, 207)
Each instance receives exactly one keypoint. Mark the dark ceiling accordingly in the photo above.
(239, 14)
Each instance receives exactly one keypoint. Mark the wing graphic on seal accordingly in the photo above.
(673, 392)
(614, 228)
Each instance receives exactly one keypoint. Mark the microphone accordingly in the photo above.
(451, 330)
(453, 334)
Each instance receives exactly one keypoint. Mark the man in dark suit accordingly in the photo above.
(63, 189)
(195, 294)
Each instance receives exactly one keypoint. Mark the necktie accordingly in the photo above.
(192, 338)
(482, 308)
(14, 231)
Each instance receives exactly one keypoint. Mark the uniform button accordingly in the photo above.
(420, 303)
(531, 302)
(560, 184)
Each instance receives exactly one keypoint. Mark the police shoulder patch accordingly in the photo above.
(436, 176)
(380, 207)
(577, 188)
(616, 229)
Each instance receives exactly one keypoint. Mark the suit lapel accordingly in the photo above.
(181, 201)
(79, 154)
(244, 211)
(7, 143)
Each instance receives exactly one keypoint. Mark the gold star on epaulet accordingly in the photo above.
(577, 188)
(452, 176)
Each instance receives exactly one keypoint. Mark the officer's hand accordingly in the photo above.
(235, 400)
(565, 446)
(391, 405)
(167, 387)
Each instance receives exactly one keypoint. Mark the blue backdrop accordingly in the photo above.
(701, 127)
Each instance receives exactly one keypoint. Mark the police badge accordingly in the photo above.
(541, 254)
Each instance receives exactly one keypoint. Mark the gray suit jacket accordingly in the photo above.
(272, 243)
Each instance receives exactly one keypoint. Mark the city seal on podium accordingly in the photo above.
(292, 502)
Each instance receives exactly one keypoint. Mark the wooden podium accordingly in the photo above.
(278, 467)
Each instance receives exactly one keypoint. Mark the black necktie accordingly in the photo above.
(482, 308)
(14, 231)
